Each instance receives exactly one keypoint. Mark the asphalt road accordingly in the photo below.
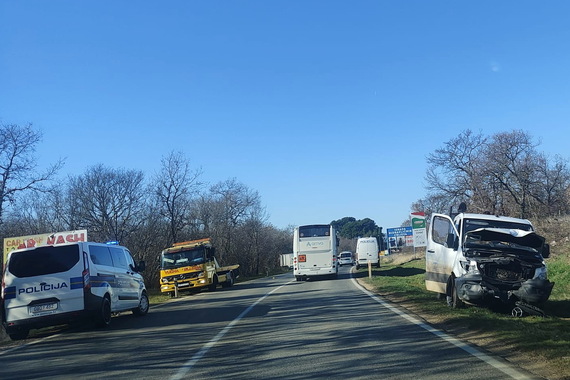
(272, 328)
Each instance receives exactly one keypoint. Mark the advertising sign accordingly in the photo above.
(419, 228)
(399, 237)
(55, 238)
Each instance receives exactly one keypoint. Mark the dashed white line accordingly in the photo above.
(186, 367)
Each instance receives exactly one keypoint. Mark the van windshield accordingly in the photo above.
(43, 260)
(182, 258)
(475, 224)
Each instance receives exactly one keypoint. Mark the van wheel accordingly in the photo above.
(456, 302)
(103, 316)
(18, 334)
(143, 307)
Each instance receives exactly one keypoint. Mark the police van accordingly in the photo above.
(50, 285)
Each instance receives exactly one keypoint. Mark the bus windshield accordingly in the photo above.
(182, 258)
(314, 231)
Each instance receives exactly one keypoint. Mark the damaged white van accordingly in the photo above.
(50, 285)
(480, 258)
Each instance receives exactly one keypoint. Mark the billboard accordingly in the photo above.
(419, 228)
(54, 238)
(399, 237)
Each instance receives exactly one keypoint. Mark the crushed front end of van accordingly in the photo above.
(505, 265)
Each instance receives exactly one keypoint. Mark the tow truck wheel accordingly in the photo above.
(229, 280)
(214, 284)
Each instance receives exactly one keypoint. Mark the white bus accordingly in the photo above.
(315, 251)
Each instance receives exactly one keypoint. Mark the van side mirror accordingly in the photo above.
(546, 250)
(139, 267)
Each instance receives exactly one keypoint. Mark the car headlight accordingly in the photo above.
(470, 267)
(201, 275)
(541, 273)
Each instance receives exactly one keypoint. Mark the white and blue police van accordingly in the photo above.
(58, 284)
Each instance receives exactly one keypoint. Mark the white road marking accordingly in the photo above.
(186, 367)
(503, 367)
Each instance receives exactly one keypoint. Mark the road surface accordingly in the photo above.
(272, 328)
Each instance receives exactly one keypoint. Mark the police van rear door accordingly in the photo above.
(43, 281)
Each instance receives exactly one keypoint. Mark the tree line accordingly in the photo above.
(144, 213)
(503, 174)
(350, 229)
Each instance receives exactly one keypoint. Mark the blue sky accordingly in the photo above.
(327, 108)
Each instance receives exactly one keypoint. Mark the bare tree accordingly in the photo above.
(18, 164)
(174, 188)
(233, 204)
(110, 202)
(511, 160)
(41, 212)
(503, 174)
(454, 171)
(552, 184)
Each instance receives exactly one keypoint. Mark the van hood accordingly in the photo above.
(504, 239)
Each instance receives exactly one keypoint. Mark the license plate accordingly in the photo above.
(43, 308)
(182, 284)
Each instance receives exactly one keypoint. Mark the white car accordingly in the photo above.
(345, 258)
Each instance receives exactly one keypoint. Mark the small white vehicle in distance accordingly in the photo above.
(345, 258)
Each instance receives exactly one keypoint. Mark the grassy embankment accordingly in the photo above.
(539, 344)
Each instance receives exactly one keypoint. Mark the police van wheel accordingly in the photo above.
(18, 334)
(143, 307)
(103, 318)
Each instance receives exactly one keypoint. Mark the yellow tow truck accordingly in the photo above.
(192, 265)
